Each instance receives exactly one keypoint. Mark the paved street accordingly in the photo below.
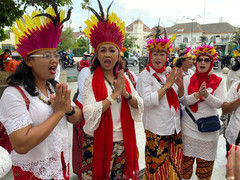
(219, 166)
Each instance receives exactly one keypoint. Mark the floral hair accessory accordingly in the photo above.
(160, 44)
(206, 50)
(103, 29)
(187, 53)
(236, 51)
(38, 32)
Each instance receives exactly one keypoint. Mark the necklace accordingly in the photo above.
(49, 87)
(112, 87)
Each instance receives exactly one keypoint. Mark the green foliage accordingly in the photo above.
(78, 52)
(85, 4)
(80, 47)
(236, 37)
(68, 42)
(14, 9)
(182, 46)
(130, 42)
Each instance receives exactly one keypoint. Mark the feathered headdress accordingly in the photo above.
(160, 44)
(38, 32)
(103, 29)
(236, 51)
(187, 53)
(206, 50)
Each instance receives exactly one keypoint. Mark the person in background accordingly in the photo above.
(37, 126)
(131, 75)
(185, 62)
(161, 117)
(204, 94)
(110, 105)
(4, 56)
(232, 77)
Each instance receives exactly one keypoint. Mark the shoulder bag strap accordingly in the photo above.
(23, 95)
(190, 114)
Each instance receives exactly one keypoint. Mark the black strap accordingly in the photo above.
(190, 114)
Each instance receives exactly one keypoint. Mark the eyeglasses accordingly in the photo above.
(46, 56)
(206, 60)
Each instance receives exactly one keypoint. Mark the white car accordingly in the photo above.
(133, 60)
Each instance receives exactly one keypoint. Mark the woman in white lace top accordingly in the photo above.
(110, 106)
(204, 94)
(38, 131)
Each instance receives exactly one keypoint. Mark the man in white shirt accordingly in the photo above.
(161, 118)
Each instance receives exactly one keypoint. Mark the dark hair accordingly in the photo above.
(126, 66)
(23, 76)
(6, 50)
(96, 63)
(236, 67)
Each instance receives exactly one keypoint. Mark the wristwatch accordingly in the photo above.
(129, 98)
(164, 88)
(71, 113)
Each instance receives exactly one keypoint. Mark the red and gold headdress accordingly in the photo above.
(103, 29)
(38, 32)
(207, 50)
(160, 44)
(187, 53)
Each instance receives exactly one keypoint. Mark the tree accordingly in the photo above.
(130, 42)
(80, 47)
(68, 41)
(14, 9)
(182, 46)
(236, 37)
(85, 4)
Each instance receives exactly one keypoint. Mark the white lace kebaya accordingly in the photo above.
(44, 160)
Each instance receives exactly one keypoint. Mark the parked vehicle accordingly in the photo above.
(85, 61)
(133, 60)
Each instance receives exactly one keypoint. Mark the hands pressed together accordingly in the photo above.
(119, 85)
(61, 101)
(202, 92)
(175, 76)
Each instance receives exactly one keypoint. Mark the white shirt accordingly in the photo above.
(196, 143)
(84, 73)
(92, 110)
(189, 72)
(234, 123)
(233, 76)
(44, 160)
(157, 117)
(133, 74)
(57, 75)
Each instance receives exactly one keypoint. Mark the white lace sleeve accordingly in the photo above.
(232, 92)
(92, 110)
(13, 112)
(216, 100)
(136, 113)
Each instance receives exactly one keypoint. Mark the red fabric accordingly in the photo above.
(135, 83)
(150, 63)
(172, 97)
(212, 81)
(4, 139)
(77, 145)
(19, 174)
(103, 136)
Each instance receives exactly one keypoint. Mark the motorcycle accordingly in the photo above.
(66, 63)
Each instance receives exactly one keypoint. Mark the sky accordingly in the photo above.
(169, 12)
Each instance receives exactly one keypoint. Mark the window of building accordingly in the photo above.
(185, 40)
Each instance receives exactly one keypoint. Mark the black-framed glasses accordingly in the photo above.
(206, 60)
(47, 56)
